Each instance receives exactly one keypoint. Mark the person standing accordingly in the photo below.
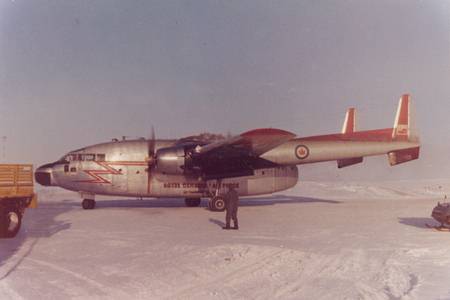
(231, 207)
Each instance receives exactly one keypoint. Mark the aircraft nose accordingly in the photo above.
(43, 175)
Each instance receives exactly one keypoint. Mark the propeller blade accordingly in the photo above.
(151, 144)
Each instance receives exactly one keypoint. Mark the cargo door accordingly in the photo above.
(137, 180)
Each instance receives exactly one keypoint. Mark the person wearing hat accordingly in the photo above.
(231, 207)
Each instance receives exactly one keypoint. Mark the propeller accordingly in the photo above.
(151, 156)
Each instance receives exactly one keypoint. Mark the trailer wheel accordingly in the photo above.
(10, 222)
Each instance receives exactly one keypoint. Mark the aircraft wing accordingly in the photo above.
(239, 155)
(256, 142)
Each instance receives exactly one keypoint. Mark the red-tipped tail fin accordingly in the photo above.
(404, 121)
(350, 121)
(404, 130)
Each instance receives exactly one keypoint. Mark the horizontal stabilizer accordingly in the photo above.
(402, 156)
(342, 163)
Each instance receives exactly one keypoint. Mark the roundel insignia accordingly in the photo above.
(301, 152)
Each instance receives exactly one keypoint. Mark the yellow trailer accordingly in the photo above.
(16, 194)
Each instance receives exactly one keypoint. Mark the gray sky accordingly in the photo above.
(74, 73)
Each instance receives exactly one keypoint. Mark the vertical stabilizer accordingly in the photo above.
(404, 121)
(350, 121)
(404, 130)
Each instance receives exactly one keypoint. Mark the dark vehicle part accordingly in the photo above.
(16, 194)
(441, 213)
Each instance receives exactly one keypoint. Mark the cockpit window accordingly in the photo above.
(70, 157)
(83, 157)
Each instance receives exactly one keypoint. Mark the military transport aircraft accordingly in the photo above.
(260, 161)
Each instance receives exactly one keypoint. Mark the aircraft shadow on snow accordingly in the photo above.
(37, 223)
(244, 202)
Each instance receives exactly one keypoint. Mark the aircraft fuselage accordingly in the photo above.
(120, 169)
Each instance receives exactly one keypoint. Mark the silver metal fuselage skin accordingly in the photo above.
(124, 173)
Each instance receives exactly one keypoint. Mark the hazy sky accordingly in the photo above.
(74, 73)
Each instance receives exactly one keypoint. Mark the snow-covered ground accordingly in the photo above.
(316, 241)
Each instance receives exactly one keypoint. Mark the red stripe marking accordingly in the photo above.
(108, 170)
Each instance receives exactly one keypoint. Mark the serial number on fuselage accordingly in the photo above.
(192, 185)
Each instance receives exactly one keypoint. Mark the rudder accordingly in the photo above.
(404, 121)
(404, 130)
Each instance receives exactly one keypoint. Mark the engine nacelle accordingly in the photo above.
(171, 160)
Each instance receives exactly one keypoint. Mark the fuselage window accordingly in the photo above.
(73, 169)
(89, 157)
(85, 157)
(66, 168)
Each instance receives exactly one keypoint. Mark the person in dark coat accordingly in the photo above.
(232, 204)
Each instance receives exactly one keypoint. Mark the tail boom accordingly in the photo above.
(399, 143)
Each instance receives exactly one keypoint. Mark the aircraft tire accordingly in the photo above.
(88, 204)
(10, 222)
(192, 202)
(216, 203)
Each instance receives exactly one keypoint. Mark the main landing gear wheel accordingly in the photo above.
(216, 203)
(192, 202)
(88, 204)
(10, 222)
